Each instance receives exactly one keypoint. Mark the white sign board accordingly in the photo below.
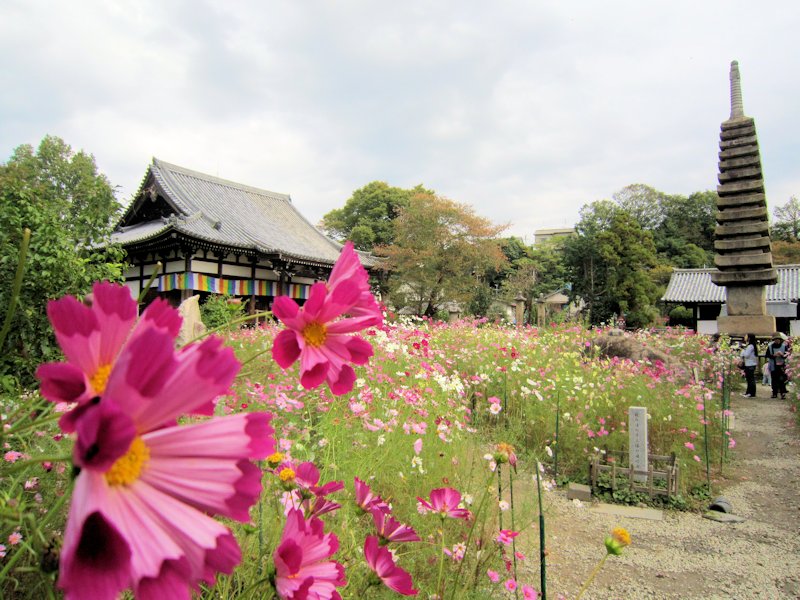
(637, 430)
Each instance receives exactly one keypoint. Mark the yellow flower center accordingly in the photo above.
(275, 458)
(286, 474)
(315, 334)
(128, 468)
(621, 535)
(100, 378)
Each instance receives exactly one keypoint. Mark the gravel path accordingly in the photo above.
(686, 555)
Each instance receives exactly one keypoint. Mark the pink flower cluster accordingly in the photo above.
(147, 488)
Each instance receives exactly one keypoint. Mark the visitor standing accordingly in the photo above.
(749, 363)
(776, 355)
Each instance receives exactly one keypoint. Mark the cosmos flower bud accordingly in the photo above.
(617, 541)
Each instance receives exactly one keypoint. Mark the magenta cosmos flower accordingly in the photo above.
(445, 501)
(320, 339)
(380, 560)
(390, 529)
(303, 570)
(147, 488)
(366, 500)
(349, 268)
(93, 339)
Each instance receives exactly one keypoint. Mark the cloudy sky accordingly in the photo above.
(524, 109)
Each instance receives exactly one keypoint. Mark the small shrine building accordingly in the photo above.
(215, 236)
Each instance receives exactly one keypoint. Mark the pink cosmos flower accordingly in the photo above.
(322, 343)
(510, 585)
(366, 500)
(380, 560)
(94, 339)
(143, 501)
(308, 496)
(15, 538)
(493, 576)
(303, 571)
(506, 536)
(445, 501)
(528, 593)
(392, 530)
(2, 551)
(349, 268)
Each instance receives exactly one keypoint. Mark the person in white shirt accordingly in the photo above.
(749, 363)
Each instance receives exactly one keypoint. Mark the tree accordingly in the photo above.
(70, 209)
(643, 203)
(787, 221)
(609, 263)
(540, 271)
(367, 218)
(785, 253)
(441, 251)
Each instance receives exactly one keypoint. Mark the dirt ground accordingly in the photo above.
(686, 555)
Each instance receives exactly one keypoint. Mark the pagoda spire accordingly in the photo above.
(737, 107)
(741, 239)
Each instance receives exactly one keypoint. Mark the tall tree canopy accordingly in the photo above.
(441, 252)
(609, 261)
(787, 221)
(70, 209)
(367, 218)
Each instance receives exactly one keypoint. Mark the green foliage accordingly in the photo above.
(787, 221)
(367, 218)
(442, 249)
(680, 315)
(481, 302)
(70, 210)
(610, 260)
(220, 310)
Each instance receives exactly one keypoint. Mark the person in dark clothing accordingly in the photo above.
(749, 364)
(776, 355)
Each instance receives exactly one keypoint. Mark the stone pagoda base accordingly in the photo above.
(761, 325)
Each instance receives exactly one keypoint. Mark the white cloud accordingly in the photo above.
(524, 110)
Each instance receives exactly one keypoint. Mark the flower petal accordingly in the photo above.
(285, 349)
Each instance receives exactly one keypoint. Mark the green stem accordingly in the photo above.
(556, 444)
(16, 286)
(513, 527)
(499, 498)
(592, 576)
(149, 283)
(542, 548)
(15, 429)
(486, 490)
(705, 443)
(22, 464)
(439, 581)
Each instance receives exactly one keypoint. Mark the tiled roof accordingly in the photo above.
(231, 214)
(694, 285)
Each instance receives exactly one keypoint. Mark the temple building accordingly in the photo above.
(694, 289)
(222, 237)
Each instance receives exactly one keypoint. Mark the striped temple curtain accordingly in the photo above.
(231, 287)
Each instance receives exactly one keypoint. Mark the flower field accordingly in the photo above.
(404, 484)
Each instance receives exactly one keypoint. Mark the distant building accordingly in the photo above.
(217, 236)
(694, 289)
(541, 235)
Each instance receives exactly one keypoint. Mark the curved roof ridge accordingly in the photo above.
(162, 164)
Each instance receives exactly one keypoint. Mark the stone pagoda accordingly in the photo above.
(742, 243)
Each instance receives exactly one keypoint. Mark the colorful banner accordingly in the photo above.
(231, 287)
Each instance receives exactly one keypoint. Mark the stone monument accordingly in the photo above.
(637, 436)
(742, 244)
